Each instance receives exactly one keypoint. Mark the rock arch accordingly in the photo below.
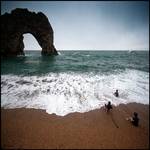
(22, 21)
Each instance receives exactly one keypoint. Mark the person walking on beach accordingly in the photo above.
(134, 120)
(116, 93)
(108, 106)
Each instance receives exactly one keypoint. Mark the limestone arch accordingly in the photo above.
(22, 21)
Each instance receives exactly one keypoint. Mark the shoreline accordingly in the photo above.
(33, 128)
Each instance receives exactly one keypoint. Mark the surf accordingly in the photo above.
(64, 93)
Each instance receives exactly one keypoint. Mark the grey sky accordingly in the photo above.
(91, 25)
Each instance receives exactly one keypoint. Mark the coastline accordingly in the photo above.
(23, 128)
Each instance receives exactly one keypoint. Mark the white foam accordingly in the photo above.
(63, 93)
(59, 53)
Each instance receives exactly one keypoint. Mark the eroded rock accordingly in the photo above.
(22, 21)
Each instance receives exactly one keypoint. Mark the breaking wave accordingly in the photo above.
(64, 93)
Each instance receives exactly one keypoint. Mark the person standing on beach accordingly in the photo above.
(108, 106)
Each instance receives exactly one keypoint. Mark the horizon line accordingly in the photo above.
(87, 50)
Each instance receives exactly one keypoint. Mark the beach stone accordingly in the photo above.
(22, 21)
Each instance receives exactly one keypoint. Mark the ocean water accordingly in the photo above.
(74, 81)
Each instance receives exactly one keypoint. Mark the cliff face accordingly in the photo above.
(22, 21)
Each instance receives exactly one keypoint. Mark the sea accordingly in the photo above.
(74, 81)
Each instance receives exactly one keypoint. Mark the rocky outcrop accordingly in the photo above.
(22, 21)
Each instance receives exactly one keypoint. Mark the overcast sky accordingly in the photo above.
(91, 25)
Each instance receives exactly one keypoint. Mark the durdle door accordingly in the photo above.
(19, 22)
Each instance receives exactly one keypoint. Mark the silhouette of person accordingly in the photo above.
(108, 106)
(116, 93)
(134, 120)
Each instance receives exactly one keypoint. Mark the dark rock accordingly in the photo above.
(22, 21)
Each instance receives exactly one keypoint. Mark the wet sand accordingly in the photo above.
(31, 128)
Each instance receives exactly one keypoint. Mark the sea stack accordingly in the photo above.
(21, 21)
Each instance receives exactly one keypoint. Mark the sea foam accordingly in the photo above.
(64, 93)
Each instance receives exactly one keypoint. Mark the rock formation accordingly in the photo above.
(22, 21)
